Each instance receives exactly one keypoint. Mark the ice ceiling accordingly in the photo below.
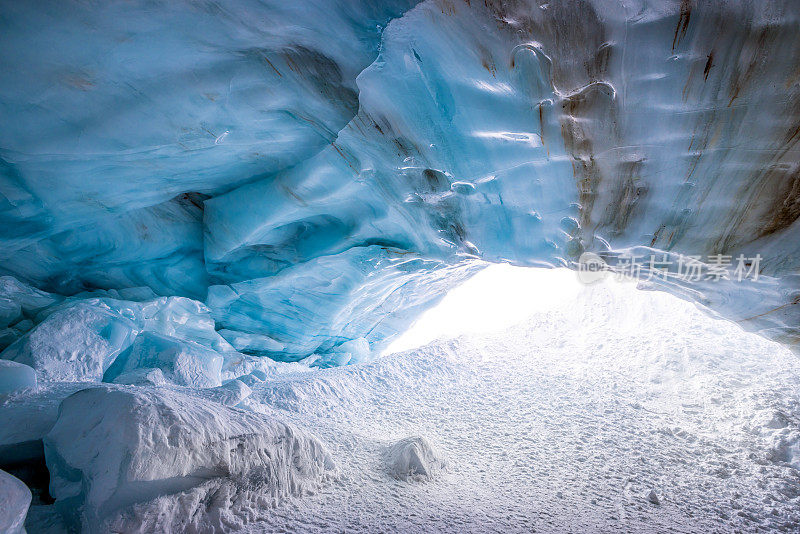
(318, 172)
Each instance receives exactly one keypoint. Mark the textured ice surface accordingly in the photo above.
(348, 353)
(15, 376)
(317, 172)
(317, 305)
(113, 454)
(15, 498)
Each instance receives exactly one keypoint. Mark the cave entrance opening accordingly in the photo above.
(494, 299)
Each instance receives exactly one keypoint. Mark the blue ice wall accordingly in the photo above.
(318, 172)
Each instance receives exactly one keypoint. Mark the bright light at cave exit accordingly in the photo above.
(494, 299)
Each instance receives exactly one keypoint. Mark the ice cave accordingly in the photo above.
(403, 266)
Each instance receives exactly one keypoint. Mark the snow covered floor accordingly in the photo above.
(613, 410)
(622, 410)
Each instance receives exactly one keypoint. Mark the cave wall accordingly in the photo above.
(317, 172)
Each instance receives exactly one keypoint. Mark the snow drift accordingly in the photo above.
(113, 449)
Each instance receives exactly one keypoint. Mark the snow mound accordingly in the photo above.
(113, 449)
(73, 344)
(15, 376)
(15, 498)
(414, 459)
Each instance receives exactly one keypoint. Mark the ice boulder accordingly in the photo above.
(18, 304)
(15, 498)
(413, 459)
(251, 343)
(75, 343)
(15, 376)
(178, 317)
(184, 363)
(348, 353)
(18, 300)
(118, 454)
(27, 416)
(183, 318)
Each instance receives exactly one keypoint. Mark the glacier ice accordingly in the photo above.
(19, 303)
(15, 376)
(251, 343)
(113, 451)
(348, 353)
(219, 197)
(183, 363)
(388, 143)
(15, 498)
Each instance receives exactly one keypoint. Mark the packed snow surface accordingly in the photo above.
(318, 170)
(113, 449)
(613, 410)
(622, 410)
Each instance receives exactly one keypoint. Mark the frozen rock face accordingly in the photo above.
(318, 172)
(15, 498)
(167, 462)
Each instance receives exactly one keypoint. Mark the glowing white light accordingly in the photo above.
(494, 299)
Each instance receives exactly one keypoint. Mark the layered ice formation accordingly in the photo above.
(201, 200)
(322, 171)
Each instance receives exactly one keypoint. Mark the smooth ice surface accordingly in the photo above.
(323, 171)
(15, 376)
(114, 452)
(181, 362)
(15, 498)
